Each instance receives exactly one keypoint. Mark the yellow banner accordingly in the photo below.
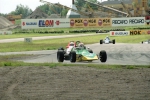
(105, 22)
(138, 32)
(90, 22)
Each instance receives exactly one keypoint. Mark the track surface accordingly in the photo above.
(120, 54)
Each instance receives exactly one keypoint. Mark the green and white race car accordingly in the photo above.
(80, 54)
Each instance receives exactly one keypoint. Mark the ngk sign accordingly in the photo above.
(119, 33)
(130, 21)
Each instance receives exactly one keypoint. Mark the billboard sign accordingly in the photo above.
(128, 21)
(44, 23)
(90, 22)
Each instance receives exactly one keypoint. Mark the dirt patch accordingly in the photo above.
(73, 83)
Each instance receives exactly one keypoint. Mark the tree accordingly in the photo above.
(20, 9)
(64, 12)
(80, 3)
(45, 8)
(50, 9)
(92, 6)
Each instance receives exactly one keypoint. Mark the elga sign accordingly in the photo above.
(119, 33)
(44, 23)
(129, 21)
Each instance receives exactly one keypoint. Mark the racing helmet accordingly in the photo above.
(81, 44)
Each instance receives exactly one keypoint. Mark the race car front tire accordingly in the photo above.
(103, 56)
(72, 56)
(60, 55)
(101, 41)
(113, 41)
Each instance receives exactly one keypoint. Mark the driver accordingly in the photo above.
(81, 45)
(107, 38)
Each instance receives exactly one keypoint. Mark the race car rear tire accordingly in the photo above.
(72, 56)
(101, 41)
(113, 41)
(60, 55)
(103, 56)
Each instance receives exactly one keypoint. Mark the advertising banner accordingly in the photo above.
(77, 22)
(148, 32)
(119, 33)
(128, 21)
(138, 32)
(106, 22)
(5, 32)
(90, 22)
(44, 23)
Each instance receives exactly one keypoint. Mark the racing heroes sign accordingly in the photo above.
(130, 21)
(90, 22)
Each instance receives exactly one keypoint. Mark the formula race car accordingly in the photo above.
(107, 41)
(146, 42)
(80, 53)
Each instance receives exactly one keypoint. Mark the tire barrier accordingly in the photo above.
(102, 31)
(82, 31)
(106, 31)
(41, 32)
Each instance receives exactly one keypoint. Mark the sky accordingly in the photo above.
(6, 6)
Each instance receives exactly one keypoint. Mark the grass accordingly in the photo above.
(53, 44)
(52, 65)
(23, 35)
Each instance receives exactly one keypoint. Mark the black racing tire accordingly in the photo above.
(60, 55)
(72, 56)
(101, 41)
(103, 56)
(113, 41)
(90, 51)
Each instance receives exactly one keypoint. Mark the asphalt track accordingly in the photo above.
(119, 53)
